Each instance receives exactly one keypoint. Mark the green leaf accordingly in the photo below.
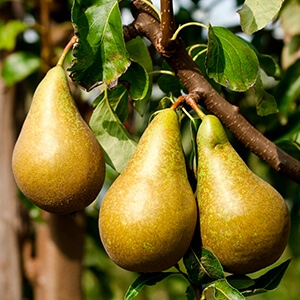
(18, 66)
(266, 62)
(118, 100)
(190, 295)
(115, 140)
(265, 102)
(137, 81)
(288, 89)
(224, 291)
(256, 14)
(145, 279)
(171, 84)
(200, 59)
(100, 55)
(240, 282)
(9, 33)
(202, 267)
(291, 147)
(139, 53)
(230, 61)
(290, 17)
(269, 281)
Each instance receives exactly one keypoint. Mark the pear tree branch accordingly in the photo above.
(147, 24)
(167, 23)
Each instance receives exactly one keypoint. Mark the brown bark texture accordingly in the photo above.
(56, 268)
(10, 221)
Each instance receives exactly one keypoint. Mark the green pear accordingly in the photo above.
(244, 221)
(148, 216)
(57, 161)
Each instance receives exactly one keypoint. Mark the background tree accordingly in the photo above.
(32, 35)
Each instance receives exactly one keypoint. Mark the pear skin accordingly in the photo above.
(57, 161)
(148, 216)
(244, 221)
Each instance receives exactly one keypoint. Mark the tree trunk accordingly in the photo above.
(55, 271)
(10, 219)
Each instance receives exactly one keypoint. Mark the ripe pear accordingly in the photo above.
(57, 161)
(244, 221)
(148, 216)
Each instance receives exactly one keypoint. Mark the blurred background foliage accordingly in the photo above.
(26, 56)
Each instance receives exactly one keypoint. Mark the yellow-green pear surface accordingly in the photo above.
(57, 161)
(148, 216)
(244, 221)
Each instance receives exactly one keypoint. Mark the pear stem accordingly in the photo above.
(192, 103)
(179, 101)
(188, 99)
(70, 44)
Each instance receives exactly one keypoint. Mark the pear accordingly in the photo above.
(148, 216)
(244, 221)
(57, 161)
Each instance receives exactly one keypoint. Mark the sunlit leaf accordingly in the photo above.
(9, 33)
(100, 55)
(115, 140)
(256, 14)
(290, 17)
(265, 102)
(203, 266)
(224, 291)
(18, 66)
(230, 61)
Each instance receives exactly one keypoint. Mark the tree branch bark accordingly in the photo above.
(146, 24)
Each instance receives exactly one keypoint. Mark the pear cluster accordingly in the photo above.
(57, 161)
(148, 216)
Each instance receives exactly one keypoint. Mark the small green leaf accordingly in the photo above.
(224, 291)
(115, 140)
(18, 66)
(290, 17)
(265, 102)
(145, 279)
(100, 55)
(269, 281)
(137, 81)
(256, 14)
(190, 295)
(9, 33)
(230, 61)
(269, 65)
(288, 89)
(266, 62)
(291, 147)
(240, 282)
(139, 53)
(202, 267)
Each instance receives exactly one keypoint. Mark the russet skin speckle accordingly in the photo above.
(244, 221)
(57, 161)
(148, 216)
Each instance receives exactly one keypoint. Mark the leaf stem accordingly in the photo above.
(199, 53)
(70, 44)
(196, 46)
(166, 72)
(153, 7)
(173, 38)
